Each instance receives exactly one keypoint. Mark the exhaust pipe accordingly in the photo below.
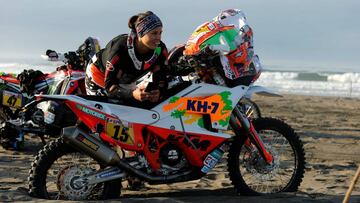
(99, 151)
(90, 145)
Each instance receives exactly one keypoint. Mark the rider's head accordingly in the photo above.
(233, 17)
(148, 28)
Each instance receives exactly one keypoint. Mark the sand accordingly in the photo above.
(328, 126)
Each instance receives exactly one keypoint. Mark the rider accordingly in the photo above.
(128, 57)
(229, 35)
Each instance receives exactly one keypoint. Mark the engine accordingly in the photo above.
(170, 155)
(172, 159)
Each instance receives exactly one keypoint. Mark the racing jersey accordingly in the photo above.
(121, 64)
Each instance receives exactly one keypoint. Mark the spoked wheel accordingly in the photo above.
(9, 137)
(251, 175)
(250, 108)
(55, 171)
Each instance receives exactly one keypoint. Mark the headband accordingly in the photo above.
(147, 24)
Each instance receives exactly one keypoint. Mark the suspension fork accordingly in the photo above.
(249, 128)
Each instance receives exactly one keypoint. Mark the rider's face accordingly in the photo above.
(152, 39)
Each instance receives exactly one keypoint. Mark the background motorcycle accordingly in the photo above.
(18, 119)
(178, 140)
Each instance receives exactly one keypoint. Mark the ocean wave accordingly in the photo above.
(278, 75)
(309, 76)
(345, 77)
(324, 84)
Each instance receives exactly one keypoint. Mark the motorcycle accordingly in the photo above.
(13, 100)
(18, 119)
(180, 139)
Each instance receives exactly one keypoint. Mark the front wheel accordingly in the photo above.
(56, 167)
(251, 175)
(10, 138)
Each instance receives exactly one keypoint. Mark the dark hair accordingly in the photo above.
(134, 20)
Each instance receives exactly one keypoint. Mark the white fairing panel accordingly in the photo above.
(196, 90)
(126, 113)
(157, 116)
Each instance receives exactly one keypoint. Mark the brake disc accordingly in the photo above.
(70, 184)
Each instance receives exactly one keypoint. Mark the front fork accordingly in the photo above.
(240, 123)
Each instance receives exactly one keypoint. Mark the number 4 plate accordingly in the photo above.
(12, 99)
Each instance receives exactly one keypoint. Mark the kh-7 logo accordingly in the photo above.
(202, 106)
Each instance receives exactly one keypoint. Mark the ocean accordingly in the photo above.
(307, 82)
(339, 84)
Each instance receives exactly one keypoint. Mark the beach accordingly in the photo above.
(328, 126)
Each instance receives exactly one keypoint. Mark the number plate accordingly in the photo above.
(12, 99)
(117, 130)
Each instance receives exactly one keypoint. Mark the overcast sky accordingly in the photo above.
(291, 34)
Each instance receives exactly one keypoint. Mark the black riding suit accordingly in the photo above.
(115, 62)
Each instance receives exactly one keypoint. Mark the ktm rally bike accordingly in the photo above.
(180, 139)
(13, 100)
(16, 92)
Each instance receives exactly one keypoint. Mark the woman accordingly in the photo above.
(126, 58)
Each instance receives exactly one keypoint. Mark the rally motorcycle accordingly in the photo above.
(180, 139)
(14, 100)
(16, 92)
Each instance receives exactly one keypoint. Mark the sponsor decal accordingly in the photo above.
(201, 106)
(211, 26)
(87, 142)
(91, 112)
(108, 174)
(49, 117)
(205, 169)
(202, 29)
(212, 159)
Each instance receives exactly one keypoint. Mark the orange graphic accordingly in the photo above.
(217, 106)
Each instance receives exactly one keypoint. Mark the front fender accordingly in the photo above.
(263, 91)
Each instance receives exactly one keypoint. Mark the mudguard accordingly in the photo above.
(256, 89)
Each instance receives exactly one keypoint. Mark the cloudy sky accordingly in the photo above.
(296, 34)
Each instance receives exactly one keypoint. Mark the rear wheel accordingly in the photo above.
(56, 167)
(249, 173)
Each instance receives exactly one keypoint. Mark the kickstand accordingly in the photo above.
(42, 139)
